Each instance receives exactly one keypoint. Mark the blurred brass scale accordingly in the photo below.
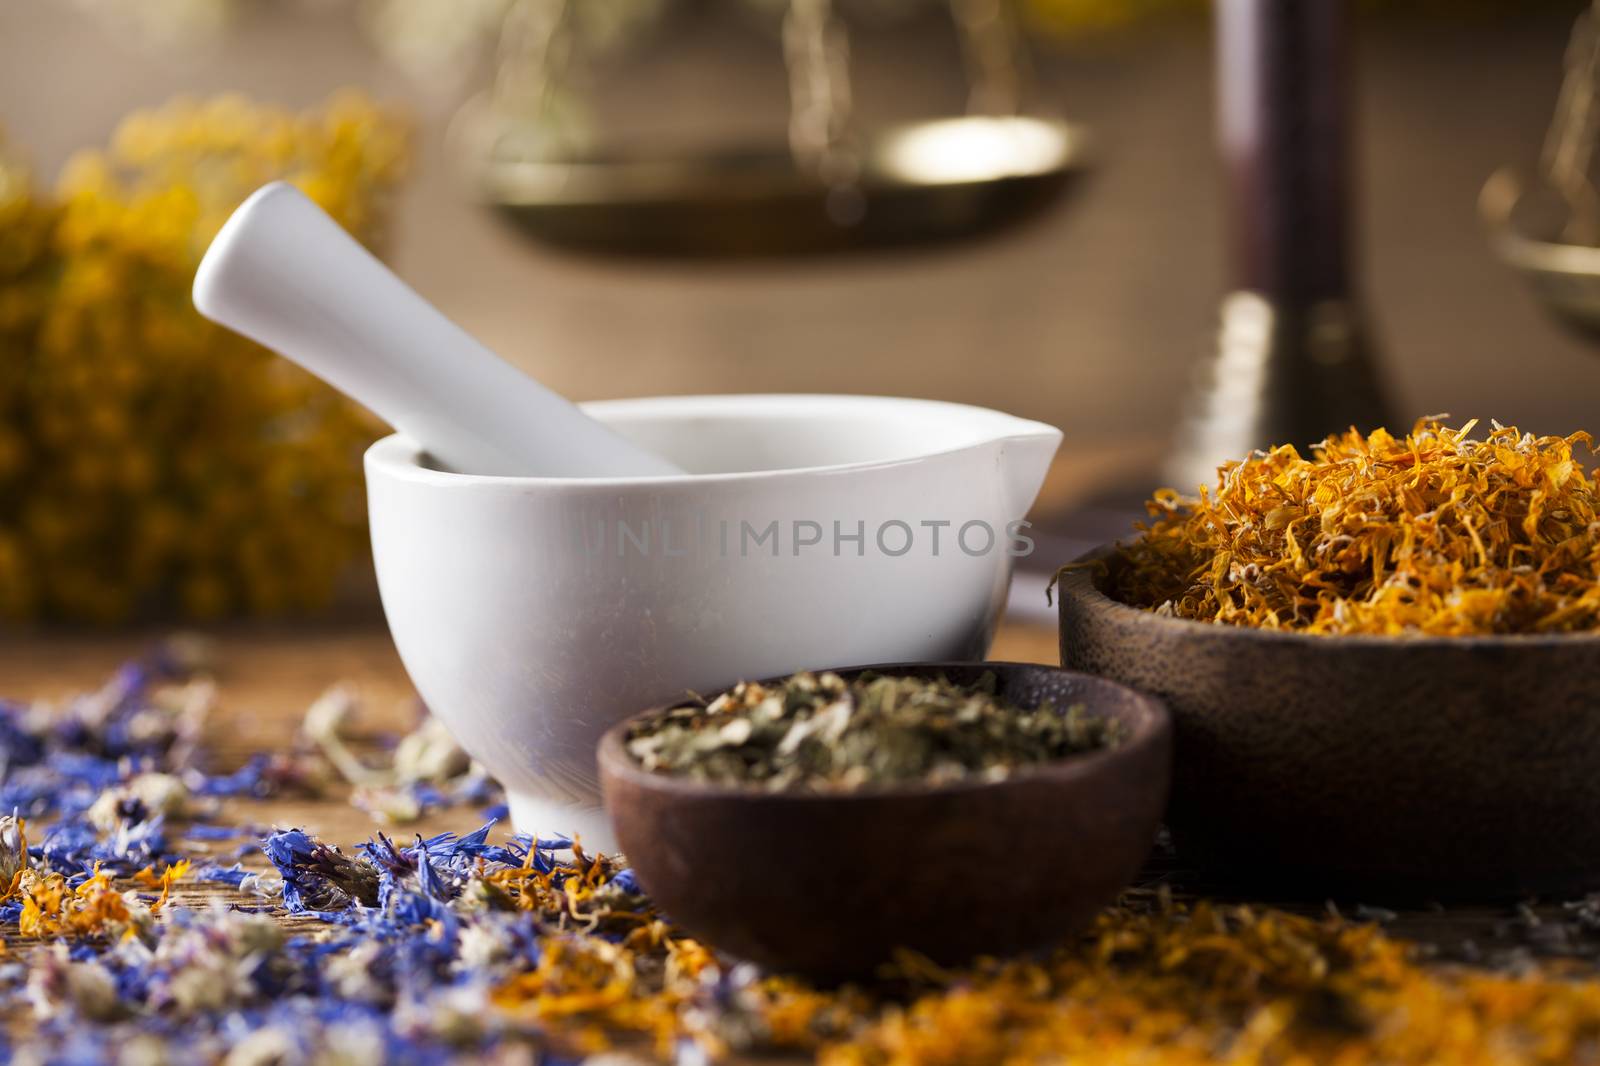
(825, 190)
(1294, 357)
(1549, 230)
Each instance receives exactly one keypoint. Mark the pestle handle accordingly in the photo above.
(284, 274)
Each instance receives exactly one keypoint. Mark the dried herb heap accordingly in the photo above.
(818, 732)
(153, 463)
(1230, 985)
(1434, 533)
(504, 949)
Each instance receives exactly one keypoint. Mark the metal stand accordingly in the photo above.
(1293, 362)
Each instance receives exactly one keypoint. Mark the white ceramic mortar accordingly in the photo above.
(532, 613)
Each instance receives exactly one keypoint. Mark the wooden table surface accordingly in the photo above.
(267, 677)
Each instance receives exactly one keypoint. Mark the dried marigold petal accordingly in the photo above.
(1437, 534)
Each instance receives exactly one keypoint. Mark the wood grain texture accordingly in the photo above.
(268, 677)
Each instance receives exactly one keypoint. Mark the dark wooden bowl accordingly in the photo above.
(829, 885)
(1407, 768)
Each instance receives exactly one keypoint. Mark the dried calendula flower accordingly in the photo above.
(1435, 533)
(1219, 985)
(819, 732)
(153, 463)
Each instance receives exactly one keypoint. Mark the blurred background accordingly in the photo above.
(132, 477)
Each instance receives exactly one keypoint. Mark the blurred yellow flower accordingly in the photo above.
(151, 463)
(1074, 16)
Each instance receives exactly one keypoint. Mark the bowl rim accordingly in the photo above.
(1151, 728)
(398, 457)
(1075, 580)
(616, 173)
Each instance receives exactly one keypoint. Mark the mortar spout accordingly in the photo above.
(1025, 455)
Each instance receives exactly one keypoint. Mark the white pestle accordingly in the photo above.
(284, 274)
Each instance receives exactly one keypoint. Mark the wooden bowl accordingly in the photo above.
(1412, 768)
(829, 885)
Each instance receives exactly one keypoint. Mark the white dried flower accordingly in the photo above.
(479, 947)
(391, 806)
(271, 1046)
(457, 1015)
(267, 884)
(350, 973)
(213, 959)
(144, 1049)
(350, 1044)
(429, 753)
(57, 985)
(13, 850)
(324, 724)
(155, 794)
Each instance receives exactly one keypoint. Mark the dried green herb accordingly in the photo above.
(818, 732)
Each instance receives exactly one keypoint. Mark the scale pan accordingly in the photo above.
(1524, 230)
(921, 181)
